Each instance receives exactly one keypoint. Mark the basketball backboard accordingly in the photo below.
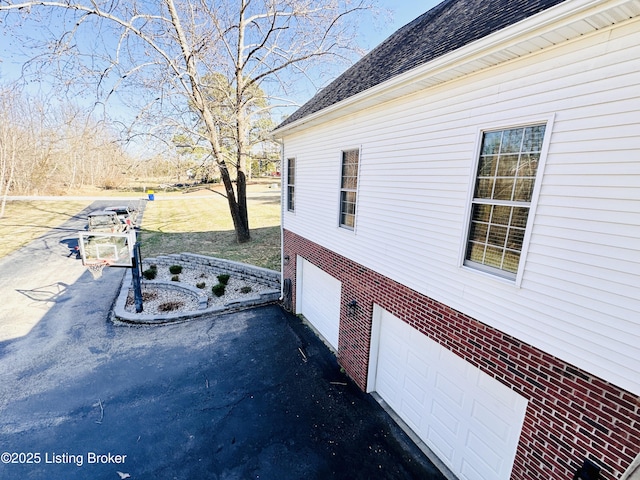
(113, 249)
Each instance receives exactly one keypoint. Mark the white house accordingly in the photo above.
(462, 225)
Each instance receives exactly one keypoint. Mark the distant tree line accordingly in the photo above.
(210, 73)
(58, 150)
(55, 150)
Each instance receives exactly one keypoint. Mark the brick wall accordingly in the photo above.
(571, 414)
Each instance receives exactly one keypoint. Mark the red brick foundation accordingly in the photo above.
(572, 415)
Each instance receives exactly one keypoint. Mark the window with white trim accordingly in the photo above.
(348, 188)
(505, 180)
(291, 180)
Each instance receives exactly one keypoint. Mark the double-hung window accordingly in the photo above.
(503, 192)
(348, 188)
(291, 180)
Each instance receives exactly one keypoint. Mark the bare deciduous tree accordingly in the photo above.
(51, 149)
(8, 145)
(159, 55)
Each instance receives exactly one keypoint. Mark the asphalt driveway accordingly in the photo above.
(247, 395)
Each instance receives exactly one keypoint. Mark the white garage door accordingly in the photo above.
(318, 299)
(469, 420)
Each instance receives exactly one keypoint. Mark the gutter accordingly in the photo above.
(494, 49)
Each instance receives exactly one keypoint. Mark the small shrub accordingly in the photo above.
(175, 269)
(224, 278)
(149, 274)
(175, 278)
(201, 284)
(218, 290)
(153, 266)
(245, 289)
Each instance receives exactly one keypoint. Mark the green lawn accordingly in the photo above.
(174, 223)
(25, 221)
(196, 224)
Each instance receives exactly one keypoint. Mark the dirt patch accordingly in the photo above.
(170, 306)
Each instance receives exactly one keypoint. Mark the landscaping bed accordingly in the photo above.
(176, 287)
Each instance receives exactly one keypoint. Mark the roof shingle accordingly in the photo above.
(446, 27)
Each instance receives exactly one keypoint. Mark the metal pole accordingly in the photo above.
(136, 274)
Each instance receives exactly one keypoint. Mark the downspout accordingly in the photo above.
(281, 218)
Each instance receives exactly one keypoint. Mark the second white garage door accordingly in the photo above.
(318, 299)
(468, 419)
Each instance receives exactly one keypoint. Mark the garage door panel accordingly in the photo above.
(390, 374)
(468, 470)
(411, 412)
(417, 366)
(443, 417)
(412, 407)
(484, 452)
(415, 389)
(470, 420)
(320, 300)
(489, 420)
(389, 387)
(449, 390)
(495, 409)
(395, 355)
(389, 382)
(450, 362)
(390, 370)
(443, 447)
(498, 393)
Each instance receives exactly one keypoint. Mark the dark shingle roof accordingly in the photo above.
(446, 27)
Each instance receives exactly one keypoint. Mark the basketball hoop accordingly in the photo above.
(96, 268)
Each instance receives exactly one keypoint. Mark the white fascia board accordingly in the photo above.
(490, 49)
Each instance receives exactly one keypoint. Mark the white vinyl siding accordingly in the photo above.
(579, 295)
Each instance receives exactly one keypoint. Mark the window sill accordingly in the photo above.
(504, 280)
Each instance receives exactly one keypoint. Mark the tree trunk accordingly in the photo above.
(237, 208)
(8, 179)
(240, 226)
(242, 208)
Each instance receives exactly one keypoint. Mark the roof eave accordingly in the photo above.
(558, 24)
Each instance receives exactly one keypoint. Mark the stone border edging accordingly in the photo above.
(202, 262)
